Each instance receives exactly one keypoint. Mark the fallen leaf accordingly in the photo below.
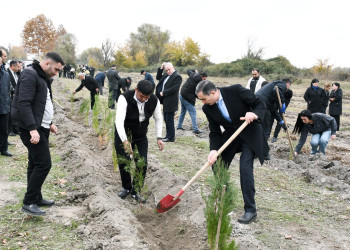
(63, 193)
(288, 237)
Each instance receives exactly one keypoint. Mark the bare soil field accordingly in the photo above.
(301, 204)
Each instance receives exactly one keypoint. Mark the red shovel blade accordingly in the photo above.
(167, 203)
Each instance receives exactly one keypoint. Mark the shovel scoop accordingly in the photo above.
(170, 201)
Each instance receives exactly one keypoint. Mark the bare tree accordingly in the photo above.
(107, 51)
(252, 52)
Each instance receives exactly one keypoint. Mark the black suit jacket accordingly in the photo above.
(238, 101)
(89, 82)
(170, 98)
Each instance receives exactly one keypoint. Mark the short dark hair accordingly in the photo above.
(13, 62)
(314, 81)
(287, 80)
(55, 57)
(113, 65)
(206, 87)
(142, 71)
(145, 87)
(336, 84)
(256, 69)
(129, 78)
(203, 74)
(264, 83)
(0, 52)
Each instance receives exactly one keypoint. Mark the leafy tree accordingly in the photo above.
(17, 52)
(150, 39)
(92, 54)
(140, 60)
(107, 51)
(123, 58)
(174, 52)
(39, 35)
(322, 67)
(65, 46)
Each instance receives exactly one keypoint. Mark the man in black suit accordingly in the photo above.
(12, 70)
(229, 107)
(167, 92)
(91, 84)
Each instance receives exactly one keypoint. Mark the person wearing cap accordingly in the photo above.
(148, 76)
(124, 84)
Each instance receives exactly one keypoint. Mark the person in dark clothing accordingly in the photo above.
(91, 84)
(134, 109)
(92, 71)
(12, 70)
(335, 105)
(113, 86)
(188, 99)
(100, 78)
(5, 104)
(315, 98)
(167, 92)
(322, 127)
(326, 88)
(148, 76)
(32, 111)
(268, 96)
(229, 107)
(124, 84)
(287, 96)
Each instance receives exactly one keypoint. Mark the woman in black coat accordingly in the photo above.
(315, 98)
(335, 105)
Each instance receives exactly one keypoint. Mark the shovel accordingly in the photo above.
(170, 201)
(285, 123)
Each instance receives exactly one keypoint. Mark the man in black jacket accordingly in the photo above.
(113, 86)
(188, 99)
(229, 107)
(12, 70)
(91, 84)
(167, 92)
(268, 96)
(32, 111)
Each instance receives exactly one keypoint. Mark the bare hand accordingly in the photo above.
(249, 117)
(74, 93)
(333, 137)
(161, 93)
(127, 147)
(97, 90)
(212, 157)
(160, 144)
(35, 137)
(53, 129)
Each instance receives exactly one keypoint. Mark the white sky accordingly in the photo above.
(301, 30)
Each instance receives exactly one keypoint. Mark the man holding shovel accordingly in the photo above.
(229, 107)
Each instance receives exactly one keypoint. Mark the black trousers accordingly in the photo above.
(142, 147)
(169, 125)
(337, 119)
(246, 171)
(4, 121)
(92, 96)
(39, 164)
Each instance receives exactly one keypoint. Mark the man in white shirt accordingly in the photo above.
(254, 83)
(134, 109)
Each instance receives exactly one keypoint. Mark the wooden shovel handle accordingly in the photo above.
(223, 147)
(284, 119)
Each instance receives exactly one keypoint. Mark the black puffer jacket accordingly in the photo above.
(189, 88)
(316, 100)
(336, 106)
(29, 100)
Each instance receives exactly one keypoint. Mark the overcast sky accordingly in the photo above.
(301, 30)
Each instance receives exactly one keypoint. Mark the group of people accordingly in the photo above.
(226, 109)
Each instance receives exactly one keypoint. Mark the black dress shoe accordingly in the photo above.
(46, 203)
(138, 198)
(33, 210)
(180, 129)
(6, 153)
(123, 193)
(168, 140)
(267, 157)
(197, 131)
(248, 218)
